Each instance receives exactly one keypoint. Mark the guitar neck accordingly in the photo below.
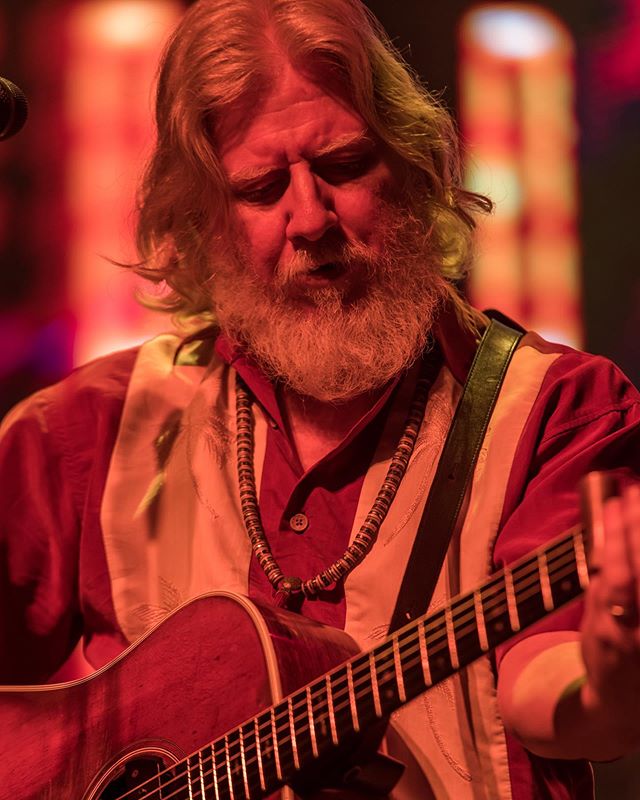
(275, 746)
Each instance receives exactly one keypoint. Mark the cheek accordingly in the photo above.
(261, 239)
(360, 212)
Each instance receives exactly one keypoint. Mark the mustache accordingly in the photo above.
(347, 255)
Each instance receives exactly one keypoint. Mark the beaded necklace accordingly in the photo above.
(285, 586)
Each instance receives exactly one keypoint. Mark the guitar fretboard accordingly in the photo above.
(271, 749)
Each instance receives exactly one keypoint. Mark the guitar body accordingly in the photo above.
(208, 667)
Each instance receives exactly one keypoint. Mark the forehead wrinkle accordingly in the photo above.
(251, 173)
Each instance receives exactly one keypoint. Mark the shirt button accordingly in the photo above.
(299, 523)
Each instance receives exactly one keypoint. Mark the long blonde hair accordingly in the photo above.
(223, 52)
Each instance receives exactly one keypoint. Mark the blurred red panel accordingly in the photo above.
(516, 110)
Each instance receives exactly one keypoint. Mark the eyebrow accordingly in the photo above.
(342, 143)
(349, 140)
(249, 174)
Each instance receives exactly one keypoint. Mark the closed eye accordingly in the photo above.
(266, 191)
(345, 168)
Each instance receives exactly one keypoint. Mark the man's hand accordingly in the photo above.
(570, 695)
(611, 625)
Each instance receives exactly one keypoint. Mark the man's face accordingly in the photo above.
(307, 179)
(330, 286)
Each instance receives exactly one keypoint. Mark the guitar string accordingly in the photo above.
(222, 784)
(224, 778)
(250, 762)
(463, 604)
(384, 661)
(384, 654)
(337, 708)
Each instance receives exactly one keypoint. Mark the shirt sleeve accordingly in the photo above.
(587, 417)
(39, 530)
(54, 447)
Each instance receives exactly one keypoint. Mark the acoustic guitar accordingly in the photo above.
(228, 699)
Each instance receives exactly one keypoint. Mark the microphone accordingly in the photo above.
(13, 109)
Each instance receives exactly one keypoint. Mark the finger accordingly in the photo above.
(593, 494)
(618, 585)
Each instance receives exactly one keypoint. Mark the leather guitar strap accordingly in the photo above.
(454, 471)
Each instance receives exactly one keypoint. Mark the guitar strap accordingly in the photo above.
(454, 471)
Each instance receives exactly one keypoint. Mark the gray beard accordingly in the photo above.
(336, 344)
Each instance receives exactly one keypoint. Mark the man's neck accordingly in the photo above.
(316, 427)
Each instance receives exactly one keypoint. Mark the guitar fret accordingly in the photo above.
(202, 789)
(451, 637)
(397, 662)
(352, 698)
(581, 559)
(243, 764)
(545, 585)
(332, 716)
(189, 786)
(480, 624)
(374, 684)
(312, 724)
(292, 728)
(276, 749)
(424, 656)
(228, 764)
(256, 736)
(214, 767)
(514, 618)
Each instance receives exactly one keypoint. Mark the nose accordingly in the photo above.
(310, 213)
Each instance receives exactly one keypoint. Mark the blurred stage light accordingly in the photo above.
(124, 23)
(517, 119)
(501, 182)
(514, 32)
(114, 47)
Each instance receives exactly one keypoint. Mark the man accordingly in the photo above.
(304, 208)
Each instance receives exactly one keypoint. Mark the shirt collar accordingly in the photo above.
(458, 344)
(261, 387)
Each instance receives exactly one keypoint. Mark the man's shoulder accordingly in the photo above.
(97, 391)
(89, 392)
(103, 379)
(565, 371)
(107, 375)
(577, 368)
(69, 427)
(579, 386)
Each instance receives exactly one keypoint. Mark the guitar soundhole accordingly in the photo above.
(137, 778)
